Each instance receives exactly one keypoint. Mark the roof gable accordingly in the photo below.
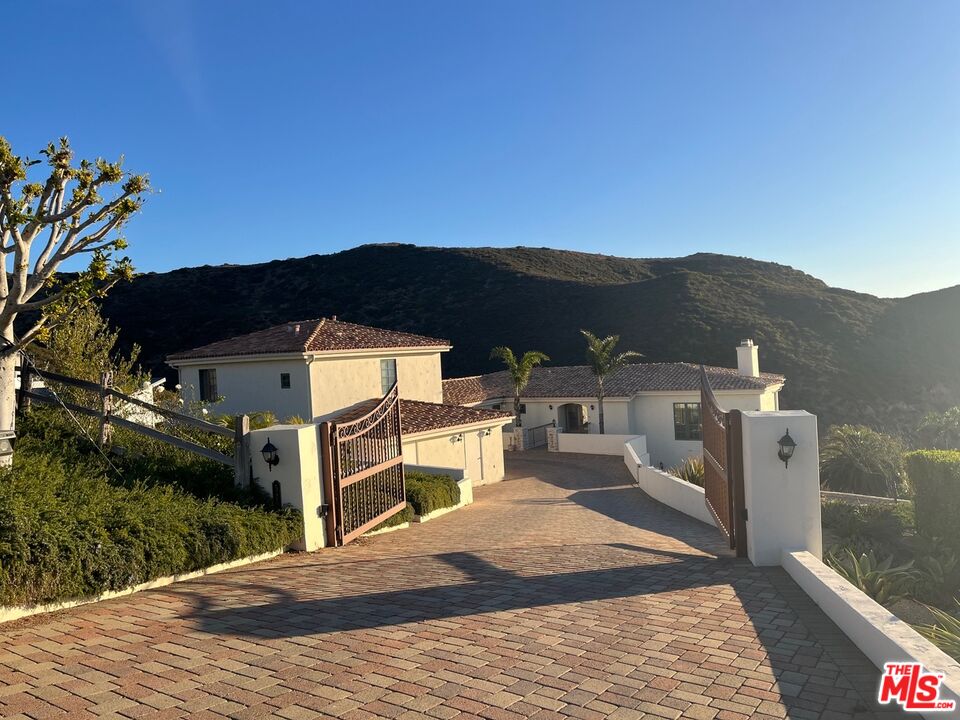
(311, 336)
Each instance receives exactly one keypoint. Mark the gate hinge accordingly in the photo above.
(745, 516)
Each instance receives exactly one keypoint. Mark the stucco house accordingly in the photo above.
(327, 369)
(658, 400)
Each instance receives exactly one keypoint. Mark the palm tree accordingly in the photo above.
(519, 371)
(603, 361)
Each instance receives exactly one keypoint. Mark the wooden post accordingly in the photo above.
(106, 407)
(735, 472)
(26, 385)
(326, 467)
(241, 450)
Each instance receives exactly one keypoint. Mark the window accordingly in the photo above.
(523, 408)
(686, 421)
(285, 381)
(388, 375)
(208, 385)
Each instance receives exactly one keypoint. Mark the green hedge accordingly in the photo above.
(935, 475)
(404, 516)
(66, 532)
(431, 492)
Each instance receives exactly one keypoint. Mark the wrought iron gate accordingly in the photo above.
(723, 466)
(362, 462)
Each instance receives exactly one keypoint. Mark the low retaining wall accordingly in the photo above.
(855, 499)
(21, 611)
(663, 487)
(879, 634)
(593, 444)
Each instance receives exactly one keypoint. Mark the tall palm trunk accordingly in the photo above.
(600, 402)
(516, 408)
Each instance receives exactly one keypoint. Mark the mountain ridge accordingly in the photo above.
(843, 351)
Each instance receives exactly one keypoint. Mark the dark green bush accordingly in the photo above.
(880, 528)
(138, 459)
(404, 516)
(71, 528)
(856, 459)
(427, 493)
(935, 475)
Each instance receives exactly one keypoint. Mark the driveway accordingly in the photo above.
(561, 592)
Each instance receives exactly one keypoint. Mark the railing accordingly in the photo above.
(106, 413)
(536, 436)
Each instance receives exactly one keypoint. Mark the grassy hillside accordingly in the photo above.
(848, 356)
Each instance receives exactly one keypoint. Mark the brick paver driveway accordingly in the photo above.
(563, 592)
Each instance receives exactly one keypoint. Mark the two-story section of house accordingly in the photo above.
(327, 369)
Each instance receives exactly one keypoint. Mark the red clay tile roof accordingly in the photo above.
(310, 336)
(577, 381)
(418, 417)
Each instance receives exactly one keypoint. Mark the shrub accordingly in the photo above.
(885, 523)
(856, 459)
(945, 634)
(691, 470)
(935, 475)
(940, 430)
(137, 460)
(427, 493)
(880, 580)
(66, 532)
(404, 516)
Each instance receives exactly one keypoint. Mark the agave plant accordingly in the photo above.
(945, 634)
(882, 581)
(690, 470)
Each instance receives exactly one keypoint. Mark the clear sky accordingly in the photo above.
(821, 135)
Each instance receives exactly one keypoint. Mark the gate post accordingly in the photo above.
(241, 450)
(783, 503)
(737, 493)
(326, 471)
(297, 475)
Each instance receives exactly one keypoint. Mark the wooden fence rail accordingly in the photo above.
(106, 413)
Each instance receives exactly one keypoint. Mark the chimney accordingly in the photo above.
(748, 359)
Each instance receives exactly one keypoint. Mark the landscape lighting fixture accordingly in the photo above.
(270, 456)
(787, 446)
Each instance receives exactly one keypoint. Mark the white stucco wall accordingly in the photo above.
(606, 444)
(652, 415)
(253, 386)
(342, 382)
(298, 473)
(783, 503)
(439, 450)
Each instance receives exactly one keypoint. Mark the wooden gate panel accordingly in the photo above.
(363, 470)
(723, 466)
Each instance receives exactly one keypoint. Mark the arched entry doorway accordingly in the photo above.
(573, 417)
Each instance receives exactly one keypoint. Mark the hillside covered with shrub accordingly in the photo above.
(849, 357)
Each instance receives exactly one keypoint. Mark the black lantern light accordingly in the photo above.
(270, 456)
(787, 446)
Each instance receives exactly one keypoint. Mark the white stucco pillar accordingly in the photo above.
(783, 503)
(298, 473)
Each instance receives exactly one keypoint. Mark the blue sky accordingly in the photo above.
(821, 135)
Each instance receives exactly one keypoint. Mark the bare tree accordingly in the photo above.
(43, 225)
(603, 361)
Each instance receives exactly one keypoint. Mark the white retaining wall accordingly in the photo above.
(593, 444)
(663, 487)
(879, 634)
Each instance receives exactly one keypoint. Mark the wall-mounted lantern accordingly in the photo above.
(787, 446)
(551, 407)
(270, 456)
